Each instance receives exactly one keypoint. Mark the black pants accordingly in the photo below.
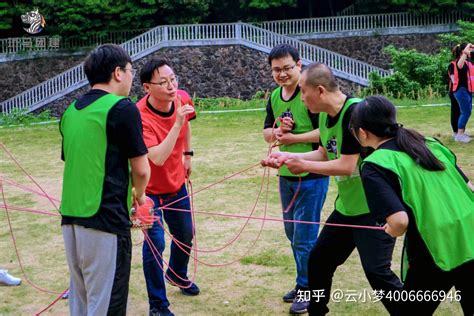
(455, 112)
(334, 246)
(427, 277)
(119, 296)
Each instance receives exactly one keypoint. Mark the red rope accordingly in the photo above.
(28, 175)
(227, 263)
(213, 184)
(273, 219)
(16, 248)
(237, 236)
(25, 188)
(29, 210)
(156, 253)
(52, 303)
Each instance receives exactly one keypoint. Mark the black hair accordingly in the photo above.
(319, 74)
(102, 62)
(377, 115)
(458, 49)
(146, 73)
(282, 51)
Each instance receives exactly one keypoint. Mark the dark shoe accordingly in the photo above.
(290, 296)
(162, 311)
(184, 287)
(299, 307)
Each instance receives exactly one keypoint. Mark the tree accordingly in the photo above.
(266, 4)
(465, 35)
(74, 17)
(417, 73)
(414, 6)
(181, 11)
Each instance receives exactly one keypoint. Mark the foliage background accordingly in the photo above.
(419, 75)
(75, 17)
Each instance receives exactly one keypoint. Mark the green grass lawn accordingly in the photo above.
(223, 144)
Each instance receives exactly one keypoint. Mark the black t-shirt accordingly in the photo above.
(270, 118)
(350, 145)
(462, 72)
(124, 141)
(384, 197)
(270, 121)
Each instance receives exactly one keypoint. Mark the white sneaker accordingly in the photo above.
(462, 138)
(7, 279)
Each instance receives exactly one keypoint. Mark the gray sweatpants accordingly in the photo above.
(91, 257)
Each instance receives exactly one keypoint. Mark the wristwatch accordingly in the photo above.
(189, 153)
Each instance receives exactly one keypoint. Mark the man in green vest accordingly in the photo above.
(290, 125)
(339, 155)
(104, 155)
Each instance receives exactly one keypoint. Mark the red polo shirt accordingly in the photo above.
(156, 125)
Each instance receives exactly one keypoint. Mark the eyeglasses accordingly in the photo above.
(354, 132)
(133, 71)
(285, 69)
(164, 84)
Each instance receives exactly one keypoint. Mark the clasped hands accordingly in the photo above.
(277, 159)
(282, 134)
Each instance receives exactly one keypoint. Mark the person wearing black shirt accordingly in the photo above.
(339, 156)
(461, 73)
(414, 186)
(295, 129)
(101, 136)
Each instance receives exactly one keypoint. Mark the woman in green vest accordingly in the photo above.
(414, 186)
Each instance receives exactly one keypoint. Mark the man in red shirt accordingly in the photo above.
(166, 112)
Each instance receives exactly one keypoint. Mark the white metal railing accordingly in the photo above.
(195, 32)
(203, 34)
(349, 68)
(71, 79)
(357, 23)
(286, 27)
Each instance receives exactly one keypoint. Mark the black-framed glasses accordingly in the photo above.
(353, 131)
(165, 83)
(285, 69)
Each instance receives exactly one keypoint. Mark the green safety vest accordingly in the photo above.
(302, 125)
(442, 203)
(85, 146)
(351, 199)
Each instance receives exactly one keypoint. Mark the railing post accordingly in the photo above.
(164, 31)
(238, 31)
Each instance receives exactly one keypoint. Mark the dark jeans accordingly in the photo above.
(464, 98)
(181, 227)
(334, 246)
(310, 196)
(428, 278)
(455, 112)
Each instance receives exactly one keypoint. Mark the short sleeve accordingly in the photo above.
(314, 117)
(350, 145)
(270, 118)
(149, 136)
(382, 191)
(451, 69)
(129, 129)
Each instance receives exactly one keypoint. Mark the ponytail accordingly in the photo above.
(413, 143)
(377, 115)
